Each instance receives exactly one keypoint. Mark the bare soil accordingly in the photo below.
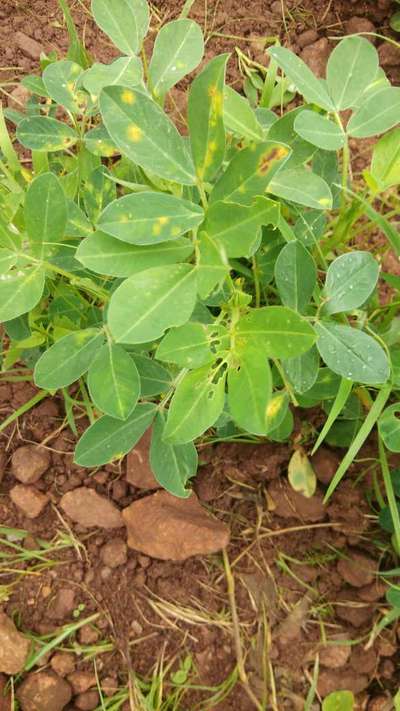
(303, 573)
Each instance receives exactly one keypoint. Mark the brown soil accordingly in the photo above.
(294, 585)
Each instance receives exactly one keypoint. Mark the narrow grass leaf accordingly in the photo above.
(337, 407)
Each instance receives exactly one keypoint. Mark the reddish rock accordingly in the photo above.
(87, 701)
(373, 592)
(114, 553)
(357, 570)
(164, 526)
(306, 38)
(364, 660)
(353, 613)
(355, 25)
(44, 691)
(325, 463)
(62, 663)
(29, 500)
(27, 45)
(287, 503)
(86, 507)
(81, 681)
(138, 471)
(29, 463)
(316, 56)
(62, 604)
(14, 647)
(3, 463)
(389, 55)
(335, 655)
(5, 698)
(337, 680)
(88, 635)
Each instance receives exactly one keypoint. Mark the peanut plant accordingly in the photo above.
(201, 278)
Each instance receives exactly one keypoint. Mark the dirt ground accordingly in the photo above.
(305, 576)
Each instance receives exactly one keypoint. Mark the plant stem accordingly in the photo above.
(256, 282)
(394, 511)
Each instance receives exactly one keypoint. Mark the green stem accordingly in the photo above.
(256, 282)
(394, 511)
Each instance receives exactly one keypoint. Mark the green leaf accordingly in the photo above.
(377, 114)
(213, 265)
(350, 280)
(277, 329)
(145, 134)
(124, 71)
(352, 65)
(284, 430)
(239, 117)
(125, 22)
(20, 291)
(106, 255)
(61, 81)
(196, 405)
(205, 118)
(35, 85)
(237, 227)
(319, 130)
(149, 218)
(250, 390)
(154, 378)
(188, 346)
(395, 25)
(276, 411)
(283, 131)
(302, 77)
(249, 173)
(351, 353)
(385, 166)
(109, 439)
(178, 49)
(302, 371)
(67, 359)
(78, 224)
(149, 302)
(8, 260)
(389, 427)
(295, 276)
(302, 477)
(113, 381)
(173, 465)
(310, 227)
(301, 186)
(40, 133)
(339, 701)
(45, 212)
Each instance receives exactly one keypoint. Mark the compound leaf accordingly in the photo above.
(352, 65)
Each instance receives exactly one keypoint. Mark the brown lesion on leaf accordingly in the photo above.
(269, 157)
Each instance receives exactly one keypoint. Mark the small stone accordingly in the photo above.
(109, 686)
(276, 7)
(86, 507)
(14, 647)
(29, 500)
(357, 570)
(28, 46)
(288, 503)
(306, 38)
(138, 471)
(164, 526)
(316, 56)
(335, 656)
(29, 463)
(364, 660)
(119, 490)
(18, 99)
(353, 614)
(114, 553)
(87, 701)
(101, 478)
(373, 592)
(379, 703)
(325, 464)
(62, 663)
(105, 573)
(81, 681)
(337, 680)
(355, 25)
(88, 635)
(144, 561)
(62, 604)
(389, 55)
(44, 691)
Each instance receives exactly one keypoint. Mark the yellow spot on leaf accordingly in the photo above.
(325, 202)
(70, 86)
(128, 97)
(156, 229)
(175, 231)
(274, 406)
(163, 220)
(134, 133)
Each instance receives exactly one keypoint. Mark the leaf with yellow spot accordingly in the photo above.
(149, 218)
(302, 477)
(99, 191)
(178, 49)
(125, 22)
(144, 134)
(98, 142)
(212, 266)
(61, 81)
(41, 133)
(206, 119)
(239, 116)
(249, 172)
(237, 227)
